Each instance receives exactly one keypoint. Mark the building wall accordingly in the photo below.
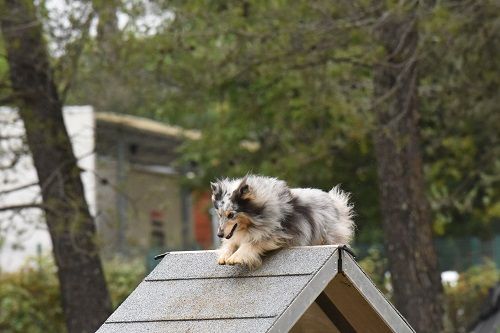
(146, 196)
(203, 232)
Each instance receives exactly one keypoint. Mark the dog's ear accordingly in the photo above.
(242, 191)
(214, 187)
(243, 188)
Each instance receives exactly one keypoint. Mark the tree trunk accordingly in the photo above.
(85, 298)
(405, 211)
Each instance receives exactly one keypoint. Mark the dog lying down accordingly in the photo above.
(258, 214)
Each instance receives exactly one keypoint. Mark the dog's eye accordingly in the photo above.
(230, 215)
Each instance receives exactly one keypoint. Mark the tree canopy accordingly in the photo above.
(295, 80)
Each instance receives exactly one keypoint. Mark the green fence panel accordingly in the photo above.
(457, 254)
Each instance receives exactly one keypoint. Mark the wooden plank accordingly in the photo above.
(314, 320)
(354, 308)
(333, 314)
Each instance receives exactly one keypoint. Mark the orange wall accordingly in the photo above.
(202, 220)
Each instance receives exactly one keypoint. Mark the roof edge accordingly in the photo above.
(377, 300)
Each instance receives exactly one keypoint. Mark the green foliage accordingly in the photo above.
(29, 298)
(122, 277)
(297, 81)
(459, 90)
(291, 79)
(464, 300)
(376, 267)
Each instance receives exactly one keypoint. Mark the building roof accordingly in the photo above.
(316, 288)
(147, 125)
(139, 125)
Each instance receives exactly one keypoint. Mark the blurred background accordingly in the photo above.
(397, 101)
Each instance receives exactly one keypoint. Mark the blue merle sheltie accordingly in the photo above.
(259, 214)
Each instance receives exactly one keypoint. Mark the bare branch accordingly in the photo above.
(12, 163)
(78, 49)
(12, 137)
(19, 188)
(22, 206)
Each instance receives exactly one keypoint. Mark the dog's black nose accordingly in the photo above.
(220, 234)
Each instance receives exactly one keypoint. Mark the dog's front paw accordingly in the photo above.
(222, 260)
(233, 260)
(251, 261)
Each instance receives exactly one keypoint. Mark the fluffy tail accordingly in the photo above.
(344, 228)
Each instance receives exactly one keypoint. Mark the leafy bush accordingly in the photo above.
(376, 266)
(29, 298)
(463, 301)
(122, 277)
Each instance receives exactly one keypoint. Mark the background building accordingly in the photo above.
(132, 185)
(141, 202)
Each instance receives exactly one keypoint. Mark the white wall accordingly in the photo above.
(24, 232)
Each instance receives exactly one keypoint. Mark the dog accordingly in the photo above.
(258, 214)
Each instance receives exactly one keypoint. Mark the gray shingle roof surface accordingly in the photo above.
(189, 292)
(222, 326)
(257, 297)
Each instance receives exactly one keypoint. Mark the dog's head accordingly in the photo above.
(235, 205)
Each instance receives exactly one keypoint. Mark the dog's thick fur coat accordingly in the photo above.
(259, 214)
